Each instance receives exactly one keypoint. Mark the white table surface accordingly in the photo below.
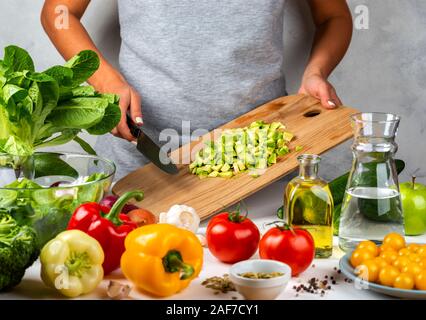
(262, 208)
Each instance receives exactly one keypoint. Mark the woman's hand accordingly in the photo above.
(130, 100)
(318, 87)
(69, 41)
(333, 34)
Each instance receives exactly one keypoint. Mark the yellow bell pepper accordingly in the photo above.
(161, 259)
(72, 263)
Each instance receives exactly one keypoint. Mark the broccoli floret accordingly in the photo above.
(18, 251)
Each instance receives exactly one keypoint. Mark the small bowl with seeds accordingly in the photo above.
(260, 279)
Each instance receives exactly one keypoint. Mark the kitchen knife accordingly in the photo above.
(150, 149)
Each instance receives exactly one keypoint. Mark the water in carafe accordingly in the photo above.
(372, 206)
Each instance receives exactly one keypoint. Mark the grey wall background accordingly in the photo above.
(384, 70)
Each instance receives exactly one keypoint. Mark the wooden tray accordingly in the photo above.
(315, 128)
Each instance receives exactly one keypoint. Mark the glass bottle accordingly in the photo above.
(371, 206)
(309, 205)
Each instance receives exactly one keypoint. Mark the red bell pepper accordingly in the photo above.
(109, 226)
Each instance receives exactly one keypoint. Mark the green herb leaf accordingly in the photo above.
(62, 75)
(50, 108)
(110, 120)
(83, 65)
(85, 146)
(65, 137)
(78, 113)
(17, 59)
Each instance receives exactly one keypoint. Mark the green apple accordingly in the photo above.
(413, 197)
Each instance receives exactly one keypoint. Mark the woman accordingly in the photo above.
(201, 61)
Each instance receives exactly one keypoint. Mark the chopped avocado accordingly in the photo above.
(241, 165)
(271, 143)
(282, 151)
(213, 174)
(287, 136)
(217, 167)
(261, 164)
(225, 167)
(236, 168)
(272, 158)
(238, 150)
(274, 126)
(207, 168)
(280, 143)
(298, 148)
(253, 174)
(228, 174)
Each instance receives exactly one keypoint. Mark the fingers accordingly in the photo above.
(328, 97)
(335, 97)
(122, 130)
(135, 107)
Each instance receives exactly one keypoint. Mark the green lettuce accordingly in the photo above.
(50, 108)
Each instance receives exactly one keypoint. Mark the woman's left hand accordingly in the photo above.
(318, 87)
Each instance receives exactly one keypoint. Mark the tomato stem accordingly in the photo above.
(235, 216)
(282, 226)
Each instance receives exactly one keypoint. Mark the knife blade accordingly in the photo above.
(150, 149)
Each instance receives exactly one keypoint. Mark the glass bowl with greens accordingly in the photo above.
(44, 190)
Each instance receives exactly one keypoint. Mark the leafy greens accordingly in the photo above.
(51, 108)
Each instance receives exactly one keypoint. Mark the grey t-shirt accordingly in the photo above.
(203, 61)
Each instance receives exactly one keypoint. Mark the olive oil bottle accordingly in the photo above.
(309, 205)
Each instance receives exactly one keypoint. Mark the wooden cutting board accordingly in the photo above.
(315, 128)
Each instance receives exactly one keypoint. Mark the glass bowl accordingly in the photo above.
(44, 191)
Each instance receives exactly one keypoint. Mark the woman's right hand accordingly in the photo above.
(107, 79)
(130, 100)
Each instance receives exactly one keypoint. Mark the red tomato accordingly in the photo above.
(294, 247)
(231, 237)
(142, 217)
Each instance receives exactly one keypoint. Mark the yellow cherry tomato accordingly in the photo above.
(421, 280)
(381, 262)
(389, 256)
(414, 257)
(359, 256)
(395, 240)
(412, 268)
(413, 247)
(404, 252)
(422, 251)
(404, 281)
(368, 270)
(386, 247)
(388, 275)
(401, 262)
(422, 263)
(370, 246)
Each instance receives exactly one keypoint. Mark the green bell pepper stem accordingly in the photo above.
(120, 203)
(173, 262)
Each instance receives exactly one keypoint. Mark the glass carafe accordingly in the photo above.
(371, 206)
(309, 205)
